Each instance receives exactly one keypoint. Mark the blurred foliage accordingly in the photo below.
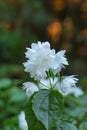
(12, 101)
(76, 110)
(64, 24)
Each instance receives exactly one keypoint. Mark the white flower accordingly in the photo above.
(60, 61)
(40, 59)
(66, 84)
(30, 88)
(22, 122)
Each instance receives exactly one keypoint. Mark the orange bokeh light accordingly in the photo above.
(7, 26)
(82, 51)
(58, 5)
(54, 30)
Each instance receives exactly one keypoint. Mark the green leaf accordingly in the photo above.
(83, 126)
(16, 95)
(32, 121)
(83, 99)
(11, 121)
(4, 83)
(66, 126)
(48, 107)
(78, 112)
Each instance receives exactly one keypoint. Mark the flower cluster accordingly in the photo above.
(44, 66)
(41, 58)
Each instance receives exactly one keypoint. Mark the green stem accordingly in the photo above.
(50, 80)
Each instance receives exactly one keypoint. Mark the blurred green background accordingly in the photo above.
(61, 22)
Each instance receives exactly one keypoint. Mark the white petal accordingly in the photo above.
(77, 91)
(60, 61)
(30, 88)
(67, 83)
(22, 122)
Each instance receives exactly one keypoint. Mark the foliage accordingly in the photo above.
(76, 109)
(12, 101)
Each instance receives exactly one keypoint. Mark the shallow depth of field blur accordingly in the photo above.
(61, 22)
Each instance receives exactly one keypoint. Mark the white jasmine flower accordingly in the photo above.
(60, 61)
(66, 84)
(30, 88)
(22, 122)
(40, 59)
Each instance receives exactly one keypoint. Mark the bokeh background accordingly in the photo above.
(61, 22)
